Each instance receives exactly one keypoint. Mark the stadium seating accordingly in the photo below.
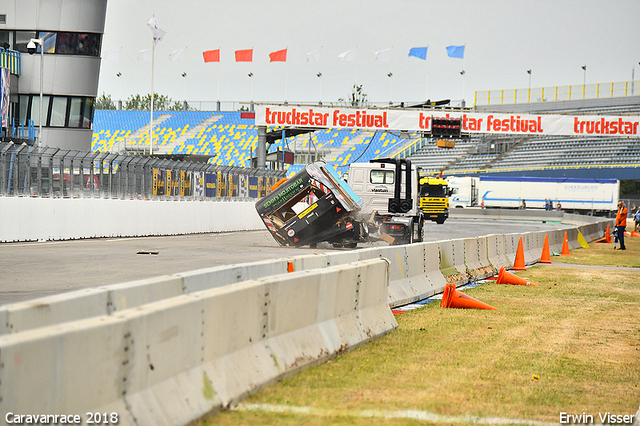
(229, 138)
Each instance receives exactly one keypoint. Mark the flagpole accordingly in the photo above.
(356, 70)
(153, 50)
(426, 78)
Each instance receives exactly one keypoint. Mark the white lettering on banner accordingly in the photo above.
(421, 121)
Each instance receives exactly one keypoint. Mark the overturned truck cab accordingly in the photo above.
(313, 206)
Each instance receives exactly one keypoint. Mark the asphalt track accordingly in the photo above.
(32, 270)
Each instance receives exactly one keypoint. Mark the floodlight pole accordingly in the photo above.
(39, 41)
(153, 51)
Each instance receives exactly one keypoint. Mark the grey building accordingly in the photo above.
(71, 32)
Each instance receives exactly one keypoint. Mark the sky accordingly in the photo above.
(502, 38)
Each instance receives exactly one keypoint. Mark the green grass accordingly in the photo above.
(572, 344)
(603, 254)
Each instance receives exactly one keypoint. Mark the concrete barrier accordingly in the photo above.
(207, 278)
(532, 247)
(511, 246)
(497, 252)
(452, 260)
(205, 347)
(476, 260)
(33, 219)
(414, 272)
(533, 215)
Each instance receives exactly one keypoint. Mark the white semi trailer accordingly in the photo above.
(591, 196)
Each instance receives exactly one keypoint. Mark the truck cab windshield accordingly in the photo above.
(440, 191)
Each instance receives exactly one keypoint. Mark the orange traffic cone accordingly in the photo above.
(635, 234)
(545, 257)
(505, 277)
(518, 264)
(565, 246)
(452, 298)
(606, 238)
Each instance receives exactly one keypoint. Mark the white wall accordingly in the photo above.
(32, 219)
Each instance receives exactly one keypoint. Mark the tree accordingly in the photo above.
(104, 102)
(160, 103)
(357, 97)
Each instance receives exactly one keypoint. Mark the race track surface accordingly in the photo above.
(32, 270)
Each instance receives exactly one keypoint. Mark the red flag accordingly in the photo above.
(211, 55)
(244, 55)
(279, 56)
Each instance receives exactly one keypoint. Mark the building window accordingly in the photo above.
(35, 109)
(21, 39)
(75, 114)
(58, 111)
(88, 44)
(87, 116)
(49, 42)
(64, 43)
(24, 110)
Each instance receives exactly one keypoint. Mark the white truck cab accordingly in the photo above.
(389, 191)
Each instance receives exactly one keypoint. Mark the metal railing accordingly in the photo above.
(558, 93)
(52, 172)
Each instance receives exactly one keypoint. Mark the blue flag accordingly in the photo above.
(419, 52)
(455, 51)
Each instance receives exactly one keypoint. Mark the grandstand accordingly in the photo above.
(230, 138)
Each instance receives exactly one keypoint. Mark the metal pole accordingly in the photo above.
(261, 150)
(153, 51)
(41, 42)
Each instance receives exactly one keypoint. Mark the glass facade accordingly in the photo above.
(60, 42)
(59, 111)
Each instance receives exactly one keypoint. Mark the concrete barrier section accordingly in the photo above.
(475, 256)
(207, 278)
(175, 360)
(55, 309)
(511, 246)
(452, 261)
(32, 219)
(135, 293)
(572, 235)
(401, 287)
(534, 215)
(436, 282)
(70, 368)
(556, 237)
(496, 251)
(532, 247)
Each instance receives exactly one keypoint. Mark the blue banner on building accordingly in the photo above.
(211, 185)
(253, 186)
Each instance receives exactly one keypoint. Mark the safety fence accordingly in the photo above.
(144, 342)
(58, 173)
(558, 93)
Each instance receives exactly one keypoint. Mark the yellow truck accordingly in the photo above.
(434, 199)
